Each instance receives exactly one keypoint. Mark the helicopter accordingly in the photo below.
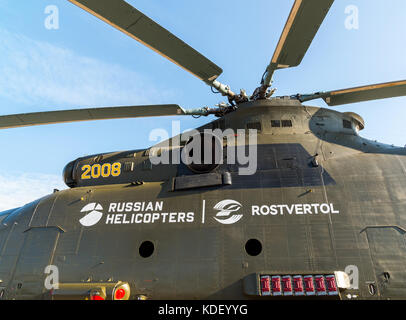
(315, 213)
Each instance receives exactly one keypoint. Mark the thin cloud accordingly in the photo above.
(40, 73)
(18, 189)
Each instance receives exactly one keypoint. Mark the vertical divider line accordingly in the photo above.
(203, 210)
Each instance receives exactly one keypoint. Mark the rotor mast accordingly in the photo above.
(303, 22)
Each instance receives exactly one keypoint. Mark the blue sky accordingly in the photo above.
(86, 63)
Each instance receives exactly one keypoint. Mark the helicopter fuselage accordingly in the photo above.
(322, 199)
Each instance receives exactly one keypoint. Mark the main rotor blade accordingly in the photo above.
(300, 29)
(359, 94)
(135, 24)
(49, 117)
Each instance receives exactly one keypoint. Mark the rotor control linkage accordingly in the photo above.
(221, 110)
(226, 91)
(263, 92)
(357, 94)
(308, 97)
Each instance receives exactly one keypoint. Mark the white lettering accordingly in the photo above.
(264, 210)
(117, 218)
(112, 207)
(223, 309)
(159, 206)
(172, 217)
(168, 310)
(128, 207)
(315, 206)
(290, 209)
(255, 210)
(138, 218)
(147, 218)
(190, 217)
(326, 208)
(298, 209)
(125, 221)
(181, 217)
(332, 209)
(307, 209)
(110, 219)
(120, 207)
(155, 217)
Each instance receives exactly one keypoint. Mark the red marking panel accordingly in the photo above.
(287, 285)
(320, 285)
(331, 285)
(276, 286)
(309, 285)
(266, 285)
(298, 287)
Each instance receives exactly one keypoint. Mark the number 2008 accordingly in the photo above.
(96, 171)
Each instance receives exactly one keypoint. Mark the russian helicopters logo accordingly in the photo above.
(226, 208)
(93, 216)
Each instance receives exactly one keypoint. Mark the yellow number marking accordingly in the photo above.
(116, 169)
(85, 174)
(96, 170)
(106, 170)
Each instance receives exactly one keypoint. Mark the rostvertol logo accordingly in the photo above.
(226, 208)
(94, 214)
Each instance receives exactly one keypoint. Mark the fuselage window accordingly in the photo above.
(286, 123)
(254, 125)
(275, 123)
